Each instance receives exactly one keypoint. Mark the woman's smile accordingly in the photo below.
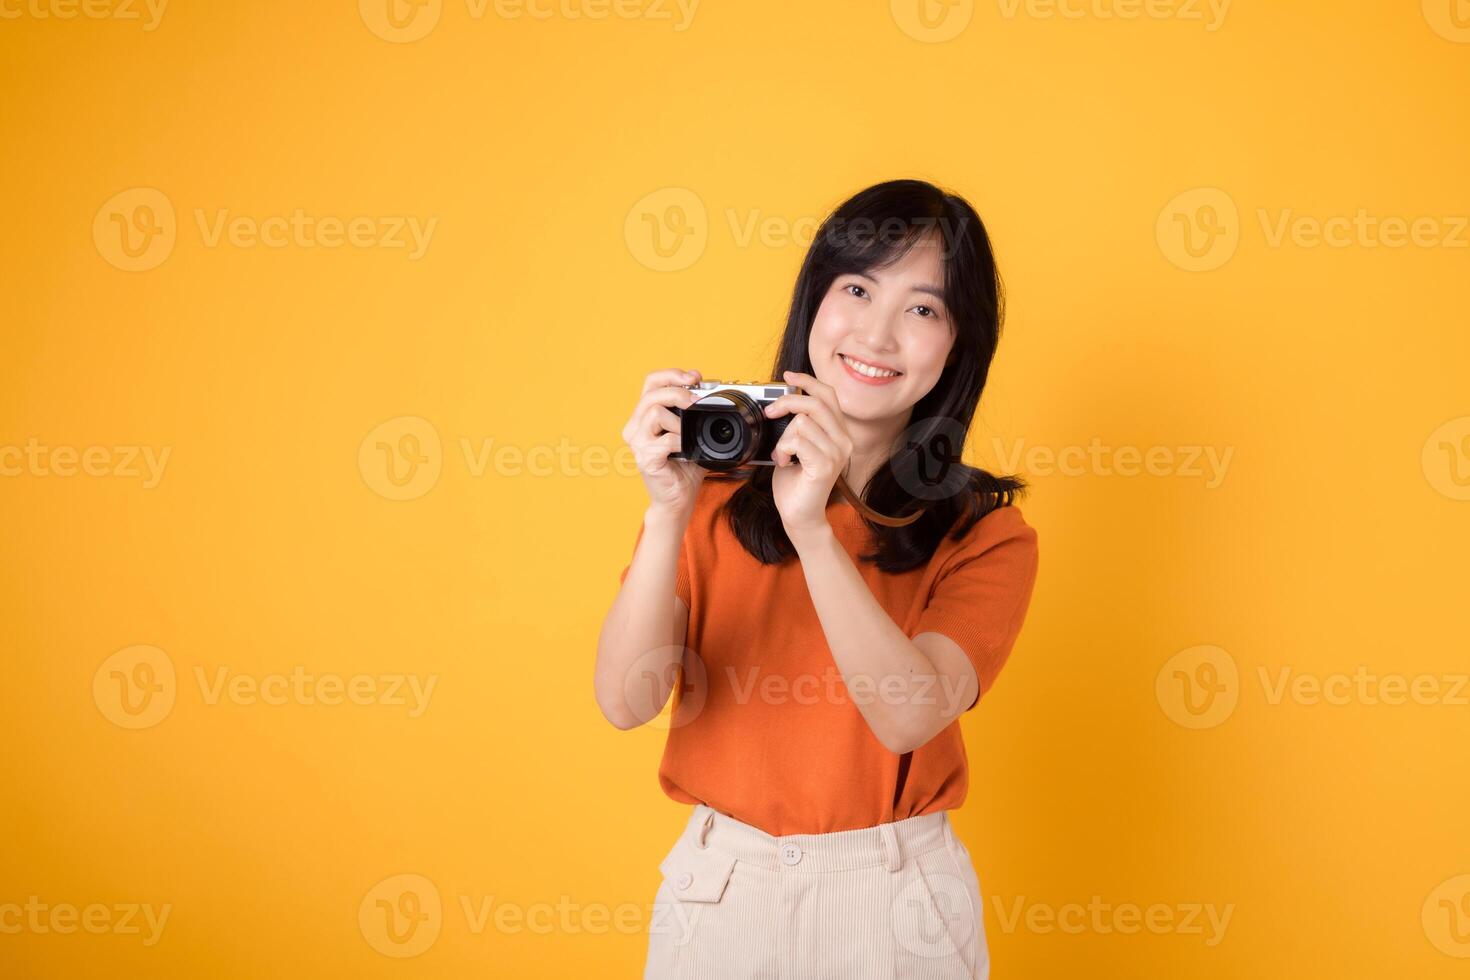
(868, 374)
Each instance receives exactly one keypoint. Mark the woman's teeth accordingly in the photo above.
(869, 370)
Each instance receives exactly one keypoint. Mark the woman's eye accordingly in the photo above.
(861, 292)
(926, 311)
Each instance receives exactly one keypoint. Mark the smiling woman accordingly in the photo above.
(821, 659)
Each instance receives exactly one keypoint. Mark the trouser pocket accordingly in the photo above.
(688, 937)
(935, 922)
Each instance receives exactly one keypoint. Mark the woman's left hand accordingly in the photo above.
(817, 436)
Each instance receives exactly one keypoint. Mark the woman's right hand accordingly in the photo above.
(653, 432)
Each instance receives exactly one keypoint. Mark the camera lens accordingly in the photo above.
(719, 436)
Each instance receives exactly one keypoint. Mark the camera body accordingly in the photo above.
(726, 427)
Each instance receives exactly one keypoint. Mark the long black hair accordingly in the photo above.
(873, 229)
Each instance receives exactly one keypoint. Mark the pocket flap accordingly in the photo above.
(697, 874)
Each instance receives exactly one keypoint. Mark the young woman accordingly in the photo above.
(822, 659)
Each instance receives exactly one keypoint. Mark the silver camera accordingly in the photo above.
(726, 428)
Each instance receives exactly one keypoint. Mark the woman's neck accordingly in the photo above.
(872, 443)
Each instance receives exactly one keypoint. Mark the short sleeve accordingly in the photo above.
(981, 596)
(681, 577)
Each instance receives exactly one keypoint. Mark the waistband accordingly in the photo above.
(887, 844)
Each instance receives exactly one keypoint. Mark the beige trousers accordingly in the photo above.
(899, 901)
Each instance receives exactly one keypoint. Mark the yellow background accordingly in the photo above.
(1335, 540)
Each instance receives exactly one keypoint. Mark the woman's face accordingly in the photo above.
(892, 318)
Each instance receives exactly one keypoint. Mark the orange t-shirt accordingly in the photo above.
(778, 741)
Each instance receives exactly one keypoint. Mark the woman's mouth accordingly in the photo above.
(867, 373)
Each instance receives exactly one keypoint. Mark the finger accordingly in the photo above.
(793, 449)
(664, 420)
(791, 404)
(822, 454)
(813, 457)
(781, 453)
(670, 376)
(673, 397)
(809, 406)
(819, 390)
(807, 381)
(655, 421)
(655, 454)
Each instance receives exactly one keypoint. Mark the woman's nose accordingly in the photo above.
(879, 331)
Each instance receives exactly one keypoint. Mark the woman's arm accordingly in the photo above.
(907, 690)
(642, 640)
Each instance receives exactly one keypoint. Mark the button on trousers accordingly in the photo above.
(899, 901)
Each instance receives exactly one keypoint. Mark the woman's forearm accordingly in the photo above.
(890, 680)
(637, 652)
